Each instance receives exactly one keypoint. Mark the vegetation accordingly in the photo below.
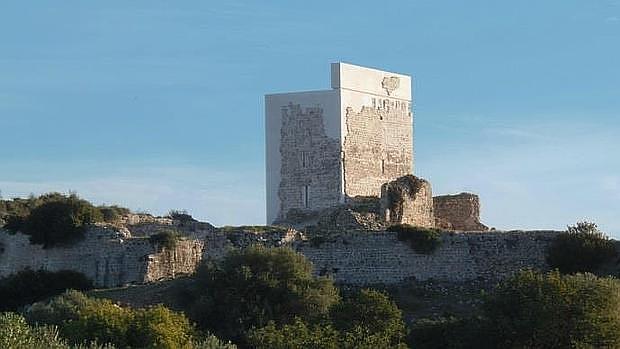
(450, 333)
(421, 240)
(166, 238)
(29, 286)
(15, 333)
(367, 320)
(112, 214)
(82, 320)
(583, 248)
(55, 219)
(534, 310)
(256, 285)
(537, 310)
(181, 216)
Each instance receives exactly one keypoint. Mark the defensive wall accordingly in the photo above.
(111, 257)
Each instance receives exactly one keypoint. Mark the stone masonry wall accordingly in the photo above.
(309, 158)
(408, 200)
(458, 212)
(377, 147)
(371, 258)
(110, 259)
(106, 256)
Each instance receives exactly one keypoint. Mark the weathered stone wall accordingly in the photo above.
(369, 258)
(106, 256)
(378, 146)
(458, 212)
(408, 200)
(110, 258)
(310, 159)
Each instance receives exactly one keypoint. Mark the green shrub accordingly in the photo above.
(373, 314)
(251, 287)
(297, 334)
(535, 310)
(101, 321)
(211, 342)
(29, 286)
(368, 319)
(112, 214)
(57, 310)
(181, 216)
(82, 320)
(159, 327)
(166, 238)
(16, 333)
(583, 248)
(451, 333)
(57, 220)
(421, 240)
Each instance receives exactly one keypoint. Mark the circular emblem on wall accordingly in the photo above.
(390, 83)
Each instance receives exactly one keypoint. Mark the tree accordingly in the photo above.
(370, 315)
(535, 310)
(582, 248)
(28, 286)
(57, 220)
(256, 285)
(15, 333)
(159, 327)
(81, 319)
(369, 319)
(297, 334)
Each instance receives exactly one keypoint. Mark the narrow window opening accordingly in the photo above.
(305, 197)
(304, 159)
(382, 166)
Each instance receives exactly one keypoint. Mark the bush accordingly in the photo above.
(451, 333)
(98, 320)
(422, 240)
(181, 216)
(211, 342)
(29, 286)
(253, 286)
(373, 314)
(534, 310)
(82, 319)
(159, 327)
(112, 214)
(16, 333)
(583, 248)
(298, 334)
(166, 238)
(369, 319)
(57, 220)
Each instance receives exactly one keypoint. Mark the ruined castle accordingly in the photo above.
(339, 172)
(332, 147)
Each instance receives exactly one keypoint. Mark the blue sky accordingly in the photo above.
(158, 105)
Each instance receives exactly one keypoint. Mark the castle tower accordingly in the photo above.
(325, 147)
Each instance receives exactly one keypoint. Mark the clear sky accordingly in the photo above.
(158, 105)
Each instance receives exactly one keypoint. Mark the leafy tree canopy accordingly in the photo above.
(582, 248)
(253, 286)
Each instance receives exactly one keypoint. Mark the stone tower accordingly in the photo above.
(325, 147)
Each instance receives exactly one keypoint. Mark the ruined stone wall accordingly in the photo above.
(378, 145)
(458, 212)
(106, 256)
(370, 258)
(309, 159)
(110, 259)
(408, 200)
